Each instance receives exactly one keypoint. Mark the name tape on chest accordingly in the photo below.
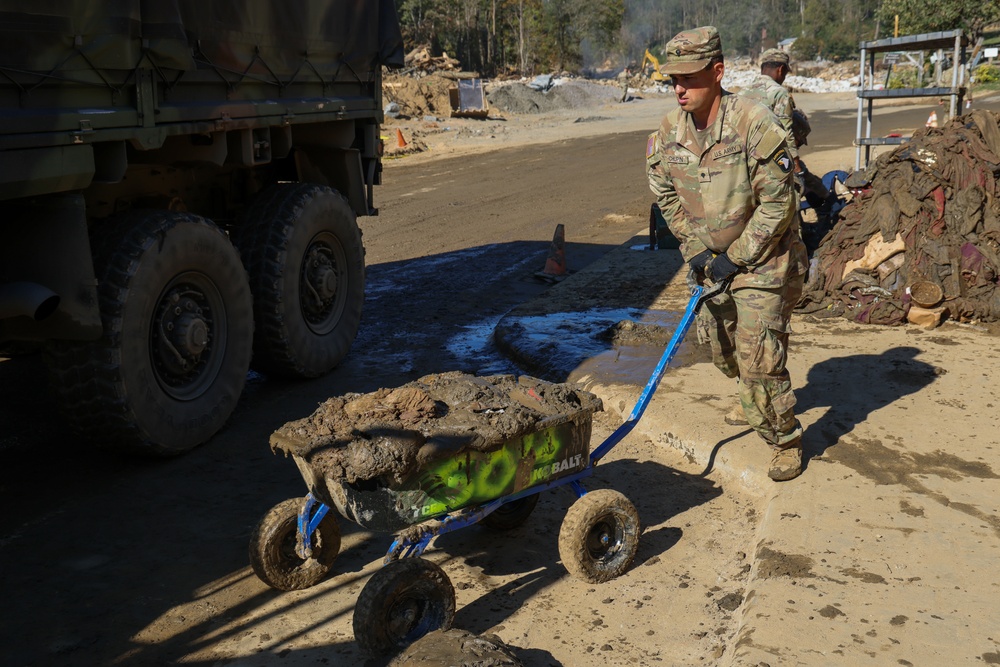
(729, 150)
(676, 159)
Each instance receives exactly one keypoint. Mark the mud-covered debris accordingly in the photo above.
(630, 332)
(390, 432)
(931, 214)
(418, 97)
(457, 648)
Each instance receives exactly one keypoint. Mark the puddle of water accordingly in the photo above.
(570, 344)
(475, 345)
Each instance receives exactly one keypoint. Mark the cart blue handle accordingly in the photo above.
(699, 295)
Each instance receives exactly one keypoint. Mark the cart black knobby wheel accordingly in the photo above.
(272, 548)
(512, 514)
(178, 329)
(302, 248)
(599, 536)
(401, 603)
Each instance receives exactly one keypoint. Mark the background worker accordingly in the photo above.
(722, 175)
(768, 89)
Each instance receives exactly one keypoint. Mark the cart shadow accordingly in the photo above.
(530, 553)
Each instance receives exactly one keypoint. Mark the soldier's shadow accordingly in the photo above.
(855, 386)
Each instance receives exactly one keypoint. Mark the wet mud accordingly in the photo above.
(388, 433)
(630, 332)
(457, 648)
(773, 563)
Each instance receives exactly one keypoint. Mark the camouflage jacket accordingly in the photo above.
(734, 195)
(773, 95)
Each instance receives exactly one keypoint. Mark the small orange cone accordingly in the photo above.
(400, 141)
(555, 264)
(932, 120)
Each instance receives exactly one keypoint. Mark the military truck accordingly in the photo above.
(181, 182)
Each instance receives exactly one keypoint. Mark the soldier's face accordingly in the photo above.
(697, 92)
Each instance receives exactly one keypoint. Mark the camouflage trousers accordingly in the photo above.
(748, 331)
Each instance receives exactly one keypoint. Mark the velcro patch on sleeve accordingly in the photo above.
(771, 139)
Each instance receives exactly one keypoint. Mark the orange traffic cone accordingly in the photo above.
(932, 120)
(555, 263)
(400, 141)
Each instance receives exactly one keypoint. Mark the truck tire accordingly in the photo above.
(302, 248)
(178, 329)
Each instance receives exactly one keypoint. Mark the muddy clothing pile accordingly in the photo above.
(931, 214)
(389, 433)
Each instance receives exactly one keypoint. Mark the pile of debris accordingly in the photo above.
(389, 433)
(921, 242)
(410, 97)
(421, 59)
(809, 78)
(546, 94)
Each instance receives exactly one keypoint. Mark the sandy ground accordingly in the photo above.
(462, 136)
(138, 564)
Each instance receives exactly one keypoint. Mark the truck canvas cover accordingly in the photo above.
(255, 37)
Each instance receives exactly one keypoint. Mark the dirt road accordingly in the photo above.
(112, 561)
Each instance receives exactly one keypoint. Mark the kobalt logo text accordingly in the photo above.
(556, 468)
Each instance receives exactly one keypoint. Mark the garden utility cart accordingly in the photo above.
(296, 543)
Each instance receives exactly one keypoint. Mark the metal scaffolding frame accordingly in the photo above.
(866, 96)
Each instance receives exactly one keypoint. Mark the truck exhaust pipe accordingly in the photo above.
(31, 299)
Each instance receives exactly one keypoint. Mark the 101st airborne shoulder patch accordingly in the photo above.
(783, 161)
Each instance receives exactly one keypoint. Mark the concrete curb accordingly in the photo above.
(884, 551)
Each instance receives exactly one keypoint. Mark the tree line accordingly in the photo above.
(526, 37)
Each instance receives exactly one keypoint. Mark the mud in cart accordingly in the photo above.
(433, 456)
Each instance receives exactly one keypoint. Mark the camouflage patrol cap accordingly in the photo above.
(691, 51)
(774, 56)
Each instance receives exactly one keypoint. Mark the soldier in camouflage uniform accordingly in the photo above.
(720, 169)
(767, 89)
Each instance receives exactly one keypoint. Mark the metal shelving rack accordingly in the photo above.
(866, 97)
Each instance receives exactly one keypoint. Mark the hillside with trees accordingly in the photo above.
(525, 37)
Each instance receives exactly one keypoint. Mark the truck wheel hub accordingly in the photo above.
(191, 336)
(321, 276)
(185, 333)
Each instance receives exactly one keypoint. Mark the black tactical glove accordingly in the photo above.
(721, 268)
(800, 183)
(700, 261)
(693, 280)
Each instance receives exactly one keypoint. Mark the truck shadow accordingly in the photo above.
(159, 547)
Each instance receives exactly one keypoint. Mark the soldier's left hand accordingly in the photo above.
(800, 183)
(720, 268)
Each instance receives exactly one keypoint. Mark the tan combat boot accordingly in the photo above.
(786, 463)
(736, 416)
